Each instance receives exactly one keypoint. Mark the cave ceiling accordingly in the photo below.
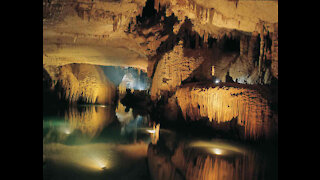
(119, 33)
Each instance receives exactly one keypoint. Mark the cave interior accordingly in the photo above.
(160, 89)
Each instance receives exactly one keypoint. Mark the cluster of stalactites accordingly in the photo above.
(160, 3)
(224, 104)
(88, 85)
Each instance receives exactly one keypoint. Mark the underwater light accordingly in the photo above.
(103, 167)
(151, 131)
(101, 164)
(67, 132)
(217, 151)
(217, 81)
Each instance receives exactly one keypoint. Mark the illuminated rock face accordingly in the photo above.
(83, 82)
(107, 32)
(171, 70)
(240, 15)
(221, 104)
(92, 32)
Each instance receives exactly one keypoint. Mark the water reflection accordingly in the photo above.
(86, 142)
(185, 158)
(90, 120)
(104, 142)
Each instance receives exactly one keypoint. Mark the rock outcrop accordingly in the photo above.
(223, 103)
(171, 70)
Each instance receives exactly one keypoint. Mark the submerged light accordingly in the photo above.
(102, 165)
(151, 131)
(217, 151)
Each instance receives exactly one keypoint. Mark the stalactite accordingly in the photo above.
(262, 50)
(206, 36)
(252, 47)
(115, 23)
(206, 15)
(211, 14)
(156, 5)
(196, 8)
(80, 82)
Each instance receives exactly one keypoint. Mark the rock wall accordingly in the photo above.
(224, 103)
(274, 51)
(82, 82)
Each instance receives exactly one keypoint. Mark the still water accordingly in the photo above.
(107, 142)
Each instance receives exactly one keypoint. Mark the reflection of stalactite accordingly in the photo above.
(223, 104)
(200, 164)
(90, 120)
(216, 168)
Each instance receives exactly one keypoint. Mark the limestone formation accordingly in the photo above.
(171, 70)
(108, 33)
(83, 83)
(223, 104)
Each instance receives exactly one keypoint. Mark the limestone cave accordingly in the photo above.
(160, 89)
